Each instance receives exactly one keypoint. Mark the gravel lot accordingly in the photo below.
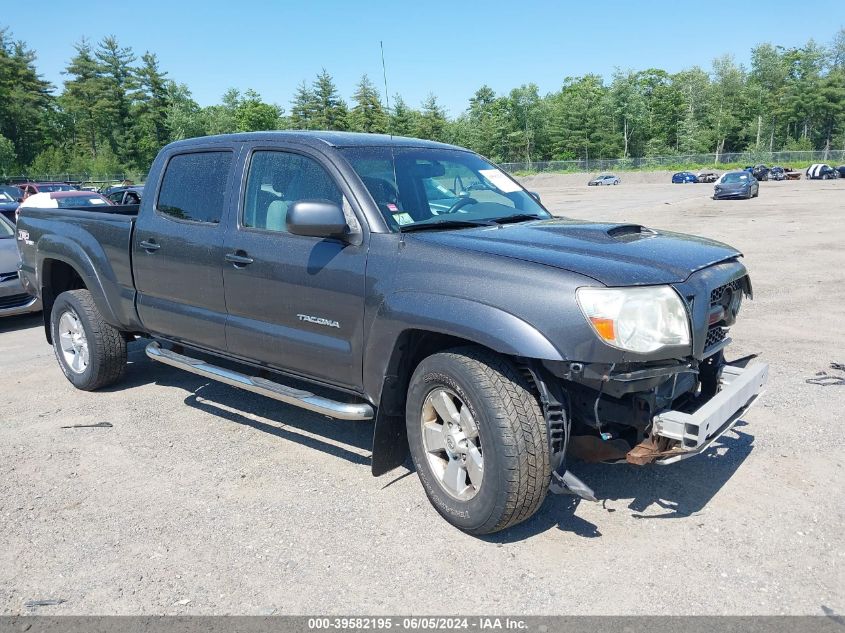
(203, 499)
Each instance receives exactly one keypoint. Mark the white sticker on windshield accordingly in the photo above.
(499, 180)
(403, 218)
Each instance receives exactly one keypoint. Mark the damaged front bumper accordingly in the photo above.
(678, 435)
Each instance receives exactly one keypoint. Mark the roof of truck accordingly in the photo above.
(314, 137)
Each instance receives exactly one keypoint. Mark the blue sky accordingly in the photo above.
(449, 48)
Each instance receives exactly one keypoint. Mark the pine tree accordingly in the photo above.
(117, 80)
(367, 115)
(25, 103)
(431, 123)
(330, 110)
(403, 119)
(150, 112)
(303, 108)
(81, 98)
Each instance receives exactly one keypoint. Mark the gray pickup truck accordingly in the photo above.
(415, 284)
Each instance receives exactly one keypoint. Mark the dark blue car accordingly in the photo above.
(684, 176)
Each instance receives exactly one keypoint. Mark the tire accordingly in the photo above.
(511, 435)
(91, 353)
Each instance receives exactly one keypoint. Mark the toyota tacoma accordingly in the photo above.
(415, 284)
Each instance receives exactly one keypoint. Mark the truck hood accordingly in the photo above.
(613, 254)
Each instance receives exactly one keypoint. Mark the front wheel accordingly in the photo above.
(91, 352)
(478, 439)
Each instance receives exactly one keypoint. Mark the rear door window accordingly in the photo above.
(194, 186)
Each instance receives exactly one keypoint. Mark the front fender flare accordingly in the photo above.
(470, 320)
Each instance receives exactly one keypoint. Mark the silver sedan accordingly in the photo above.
(13, 298)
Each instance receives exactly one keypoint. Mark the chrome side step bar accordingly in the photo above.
(288, 395)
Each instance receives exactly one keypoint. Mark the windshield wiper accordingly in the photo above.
(443, 224)
(518, 217)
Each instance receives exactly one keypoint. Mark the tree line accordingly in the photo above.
(115, 110)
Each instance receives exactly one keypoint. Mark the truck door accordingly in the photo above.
(295, 303)
(177, 249)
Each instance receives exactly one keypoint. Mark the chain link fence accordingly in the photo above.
(786, 159)
(91, 179)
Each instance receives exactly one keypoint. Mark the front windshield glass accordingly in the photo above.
(428, 186)
(5, 197)
(735, 177)
(52, 188)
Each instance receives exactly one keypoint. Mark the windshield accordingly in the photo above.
(735, 177)
(5, 197)
(52, 188)
(6, 229)
(426, 186)
(12, 192)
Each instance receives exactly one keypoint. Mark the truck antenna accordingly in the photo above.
(386, 94)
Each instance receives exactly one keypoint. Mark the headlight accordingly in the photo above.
(636, 319)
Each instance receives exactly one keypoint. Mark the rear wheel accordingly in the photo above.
(91, 352)
(478, 439)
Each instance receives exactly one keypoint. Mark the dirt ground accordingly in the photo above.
(203, 499)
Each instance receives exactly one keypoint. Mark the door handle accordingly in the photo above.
(239, 259)
(150, 245)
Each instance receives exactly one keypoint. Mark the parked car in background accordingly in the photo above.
(841, 170)
(604, 179)
(821, 171)
(736, 184)
(8, 206)
(66, 199)
(708, 176)
(13, 298)
(684, 177)
(760, 172)
(32, 188)
(777, 173)
(127, 195)
(16, 193)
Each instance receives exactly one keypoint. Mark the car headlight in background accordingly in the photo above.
(636, 319)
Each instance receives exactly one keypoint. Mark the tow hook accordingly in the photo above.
(569, 484)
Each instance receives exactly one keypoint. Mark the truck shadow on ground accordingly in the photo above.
(21, 322)
(647, 492)
(351, 441)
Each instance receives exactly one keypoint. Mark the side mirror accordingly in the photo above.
(317, 218)
(534, 195)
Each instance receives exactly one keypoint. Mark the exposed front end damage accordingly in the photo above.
(655, 410)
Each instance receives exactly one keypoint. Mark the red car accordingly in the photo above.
(31, 188)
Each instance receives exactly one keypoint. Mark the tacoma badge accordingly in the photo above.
(318, 320)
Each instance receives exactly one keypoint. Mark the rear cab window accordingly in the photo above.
(193, 188)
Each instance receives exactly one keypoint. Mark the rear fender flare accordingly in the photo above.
(57, 248)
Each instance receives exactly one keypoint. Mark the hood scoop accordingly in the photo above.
(630, 232)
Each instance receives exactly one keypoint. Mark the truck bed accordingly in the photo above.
(98, 241)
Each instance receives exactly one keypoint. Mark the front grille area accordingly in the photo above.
(715, 335)
(717, 294)
(14, 301)
(729, 298)
(8, 276)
